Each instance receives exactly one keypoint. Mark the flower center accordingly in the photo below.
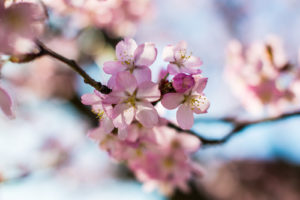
(131, 99)
(182, 57)
(197, 101)
(100, 114)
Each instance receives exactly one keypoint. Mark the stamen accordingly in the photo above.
(197, 101)
(99, 113)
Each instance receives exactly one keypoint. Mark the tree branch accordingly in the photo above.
(238, 127)
(72, 63)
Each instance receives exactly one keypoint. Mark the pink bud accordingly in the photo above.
(183, 82)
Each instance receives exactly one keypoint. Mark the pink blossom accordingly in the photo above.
(255, 75)
(133, 58)
(102, 110)
(183, 82)
(18, 21)
(117, 17)
(180, 61)
(167, 166)
(189, 102)
(130, 148)
(6, 102)
(133, 101)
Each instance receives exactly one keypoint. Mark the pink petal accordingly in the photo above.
(125, 49)
(90, 99)
(114, 97)
(113, 67)
(185, 118)
(108, 109)
(180, 50)
(148, 91)
(173, 69)
(111, 83)
(200, 84)
(125, 81)
(6, 103)
(203, 105)
(191, 70)
(162, 74)
(168, 53)
(107, 124)
(172, 100)
(145, 54)
(123, 115)
(122, 133)
(146, 114)
(193, 61)
(190, 143)
(133, 133)
(182, 82)
(96, 134)
(182, 45)
(142, 74)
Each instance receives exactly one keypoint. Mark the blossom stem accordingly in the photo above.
(73, 64)
(238, 127)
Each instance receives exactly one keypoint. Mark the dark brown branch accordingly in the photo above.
(72, 63)
(238, 127)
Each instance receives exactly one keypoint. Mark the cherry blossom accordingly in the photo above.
(134, 58)
(102, 110)
(47, 77)
(189, 102)
(183, 82)
(133, 101)
(180, 61)
(167, 166)
(130, 129)
(256, 76)
(18, 21)
(117, 17)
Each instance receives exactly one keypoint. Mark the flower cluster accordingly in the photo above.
(130, 128)
(262, 77)
(118, 17)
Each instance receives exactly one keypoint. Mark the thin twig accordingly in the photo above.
(238, 127)
(73, 64)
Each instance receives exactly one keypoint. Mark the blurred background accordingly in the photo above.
(45, 154)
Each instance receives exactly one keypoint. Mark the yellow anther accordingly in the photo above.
(197, 101)
(99, 113)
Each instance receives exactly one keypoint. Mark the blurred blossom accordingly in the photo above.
(260, 76)
(158, 156)
(117, 17)
(48, 77)
(19, 21)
